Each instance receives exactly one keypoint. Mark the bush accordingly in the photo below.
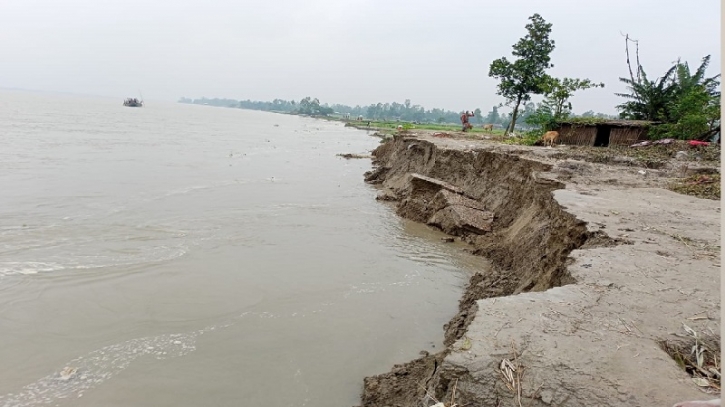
(687, 128)
(529, 139)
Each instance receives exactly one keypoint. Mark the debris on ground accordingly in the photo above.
(349, 156)
(698, 143)
(681, 155)
(654, 156)
(647, 143)
(701, 186)
(699, 355)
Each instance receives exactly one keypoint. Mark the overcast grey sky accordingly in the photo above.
(435, 53)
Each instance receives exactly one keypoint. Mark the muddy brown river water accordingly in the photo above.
(183, 255)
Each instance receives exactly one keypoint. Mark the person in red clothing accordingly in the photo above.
(464, 120)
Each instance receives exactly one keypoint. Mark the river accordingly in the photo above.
(191, 255)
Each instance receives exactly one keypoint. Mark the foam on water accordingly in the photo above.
(27, 267)
(88, 371)
(93, 369)
(153, 255)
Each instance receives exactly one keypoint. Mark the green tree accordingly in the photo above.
(493, 116)
(305, 106)
(477, 116)
(527, 74)
(696, 109)
(506, 120)
(648, 99)
(312, 107)
(688, 104)
(559, 91)
(593, 114)
(528, 111)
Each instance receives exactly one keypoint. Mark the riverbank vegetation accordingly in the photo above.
(681, 104)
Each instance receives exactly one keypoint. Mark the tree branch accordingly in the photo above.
(708, 134)
(627, 40)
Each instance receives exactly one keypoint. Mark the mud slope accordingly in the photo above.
(529, 243)
(509, 211)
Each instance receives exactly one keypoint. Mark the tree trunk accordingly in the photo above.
(708, 134)
(515, 114)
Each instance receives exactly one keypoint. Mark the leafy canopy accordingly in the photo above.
(526, 75)
(559, 91)
(687, 103)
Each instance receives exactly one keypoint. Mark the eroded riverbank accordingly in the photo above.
(594, 267)
(190, 256)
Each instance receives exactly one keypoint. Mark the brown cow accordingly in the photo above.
(551, 137)
(488, 127)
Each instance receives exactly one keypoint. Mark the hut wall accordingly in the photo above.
(577, 136)
(626, 135)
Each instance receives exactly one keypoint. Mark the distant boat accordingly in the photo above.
(133, 102)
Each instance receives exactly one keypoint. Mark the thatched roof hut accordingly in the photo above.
(602, 132)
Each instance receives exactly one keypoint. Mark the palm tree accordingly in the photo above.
(648, 100)
(688, 82)
(697, 100)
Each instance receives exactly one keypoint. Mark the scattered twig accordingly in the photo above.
(428, 394)
(625, 325)
(698, 356)
(635, 327)
(499, 329)
(453, 395)
(535, 393)
(519, 373)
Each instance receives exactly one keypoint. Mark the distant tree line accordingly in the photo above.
(394, 111)
(312, 106)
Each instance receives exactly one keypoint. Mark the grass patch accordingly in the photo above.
(525, 140)
(392, 126)
(698, 355)
(701, 186)
(653, 157)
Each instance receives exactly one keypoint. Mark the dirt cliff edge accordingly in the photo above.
(573, 312)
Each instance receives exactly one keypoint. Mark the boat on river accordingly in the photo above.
(133, 102)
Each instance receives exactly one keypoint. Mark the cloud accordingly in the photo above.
(354, 52)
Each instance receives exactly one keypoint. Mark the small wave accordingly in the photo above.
(135, 203)
(27, 267)
(88, 262)
(194, 188)
(91, 370)
(86, 372)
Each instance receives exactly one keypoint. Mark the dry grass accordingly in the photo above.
(701, 186)
(512, 373)
(452, 403)
(349, 156)
(655, 156)
(697, 354)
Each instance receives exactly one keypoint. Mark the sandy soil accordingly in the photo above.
(597, 269)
